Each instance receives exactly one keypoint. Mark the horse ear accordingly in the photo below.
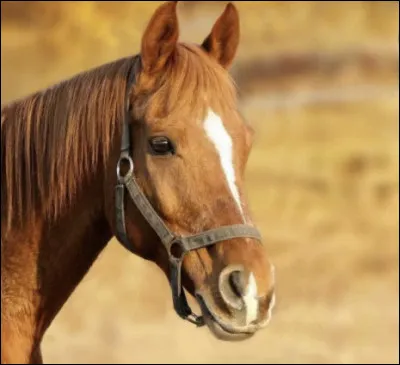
(223, 41)
(160, 38)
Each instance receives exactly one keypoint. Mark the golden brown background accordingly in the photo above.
(319, 82)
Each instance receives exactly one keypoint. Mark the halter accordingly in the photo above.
(176, 246)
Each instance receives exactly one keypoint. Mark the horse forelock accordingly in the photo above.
(191, 83)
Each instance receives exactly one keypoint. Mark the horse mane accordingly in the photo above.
(54, 139)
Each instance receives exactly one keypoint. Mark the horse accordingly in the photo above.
(150, 149)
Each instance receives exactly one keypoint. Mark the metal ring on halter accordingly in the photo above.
(178, 245)
(131, 167)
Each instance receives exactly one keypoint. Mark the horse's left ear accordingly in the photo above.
(223, 41)
(160, 38)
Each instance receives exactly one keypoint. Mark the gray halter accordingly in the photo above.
(175, 245)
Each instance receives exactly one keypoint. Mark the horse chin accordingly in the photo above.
(221, 334)
(221, 330)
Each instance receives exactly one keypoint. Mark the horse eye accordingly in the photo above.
(161, 145)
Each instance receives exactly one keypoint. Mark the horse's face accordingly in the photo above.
(190, 148)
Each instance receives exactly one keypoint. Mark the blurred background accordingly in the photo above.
(319, 82)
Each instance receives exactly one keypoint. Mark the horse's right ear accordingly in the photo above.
(223, 41)
(160, 38)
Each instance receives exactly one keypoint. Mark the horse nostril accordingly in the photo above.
(232, 286)
(237, 282)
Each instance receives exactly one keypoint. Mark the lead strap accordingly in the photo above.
(181, 305)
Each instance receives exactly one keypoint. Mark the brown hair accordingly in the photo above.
(191, 81)
(53, 139)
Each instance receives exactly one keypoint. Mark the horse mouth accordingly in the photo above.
(220, 328)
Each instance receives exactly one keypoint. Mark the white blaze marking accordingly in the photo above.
(251, 300)
(271, 305)
(273, 299)
(222, 141)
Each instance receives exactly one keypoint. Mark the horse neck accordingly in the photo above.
(43, 263)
